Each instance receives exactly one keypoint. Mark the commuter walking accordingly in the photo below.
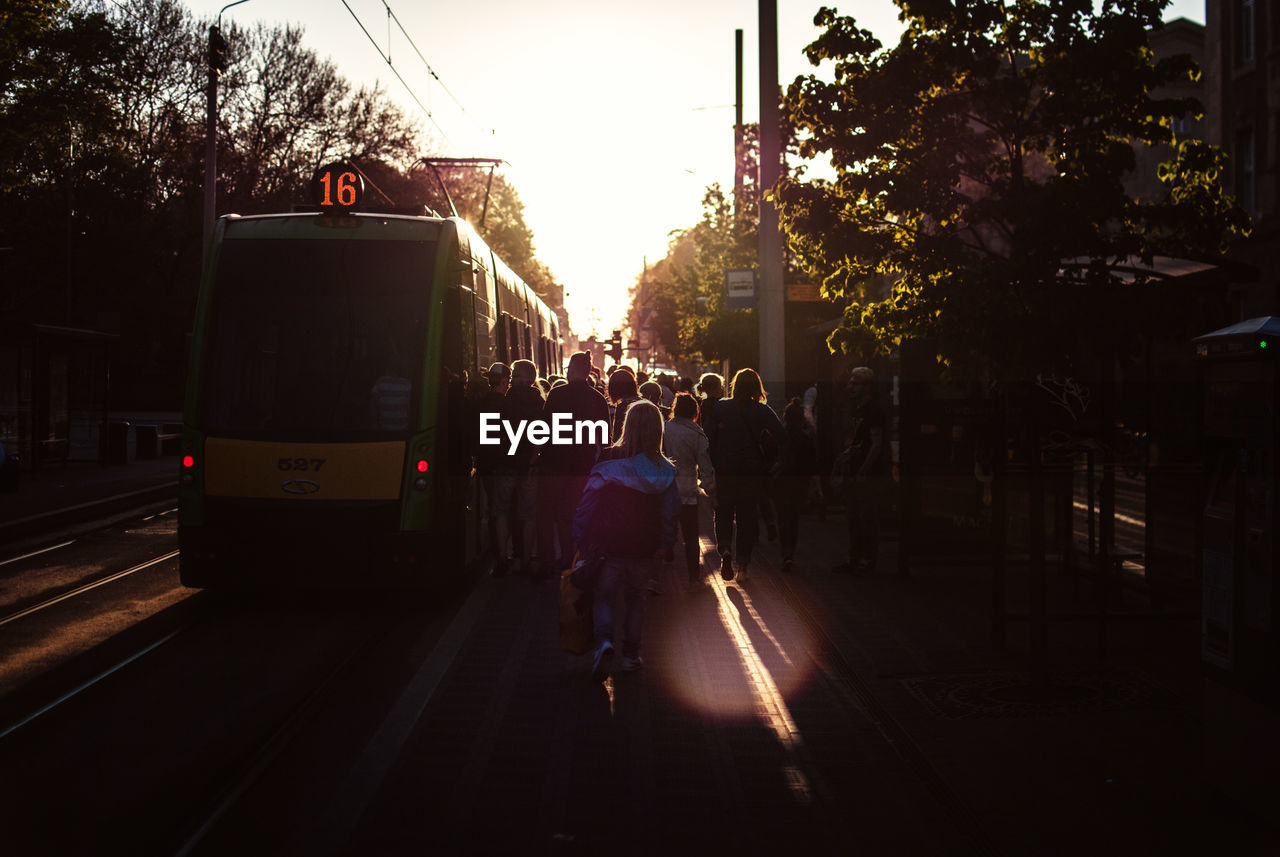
(811, 406)
(563, 469)
(799, 465)
(668, 392)
(622, 392)
(514, 482)
(685, 443)
(628, 512)
(488, 458)
(652, 391)
(858, 469)
(740, 430)
(711, 387)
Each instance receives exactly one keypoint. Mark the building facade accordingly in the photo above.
(1242, 115)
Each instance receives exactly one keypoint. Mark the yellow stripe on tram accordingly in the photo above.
(304, 471)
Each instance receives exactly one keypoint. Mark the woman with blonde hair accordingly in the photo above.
(628, 513)
(744, 434)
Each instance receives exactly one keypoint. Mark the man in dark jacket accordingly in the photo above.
(514, 482)
(742, 430)
(499, 378)
(563, 468)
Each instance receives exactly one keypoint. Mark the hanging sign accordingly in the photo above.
(740, 288)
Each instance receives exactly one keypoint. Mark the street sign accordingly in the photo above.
(740, 288)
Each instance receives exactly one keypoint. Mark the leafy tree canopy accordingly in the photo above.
(982, 153)
(685, 289)
(102, 137)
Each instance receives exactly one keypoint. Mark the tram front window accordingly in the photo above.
(318, 338)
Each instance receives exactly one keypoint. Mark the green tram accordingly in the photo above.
(327, 436)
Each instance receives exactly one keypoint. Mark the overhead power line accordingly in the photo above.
(387, 59)
(452, 97)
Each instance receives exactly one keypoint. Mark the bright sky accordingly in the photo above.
(614, 116)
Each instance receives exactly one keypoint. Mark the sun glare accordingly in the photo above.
(757, 692)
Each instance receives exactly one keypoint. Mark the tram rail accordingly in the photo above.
(84, 588)
(85, 685)
(259, 759)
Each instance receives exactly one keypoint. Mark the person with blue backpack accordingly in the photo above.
(627, 515)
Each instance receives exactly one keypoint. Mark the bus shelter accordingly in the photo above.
(54, 392)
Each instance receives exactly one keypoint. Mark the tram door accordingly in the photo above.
(1240, 644)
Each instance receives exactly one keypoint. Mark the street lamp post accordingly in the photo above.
(217, 62)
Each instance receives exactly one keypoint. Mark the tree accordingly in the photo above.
(686, 288)
(978, 158)
(102, 113)
(26, 64)
(284, 112)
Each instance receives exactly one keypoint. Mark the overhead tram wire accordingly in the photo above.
(387, 59)
(447, 92)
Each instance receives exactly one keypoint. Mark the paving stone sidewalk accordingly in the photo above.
(811, 713)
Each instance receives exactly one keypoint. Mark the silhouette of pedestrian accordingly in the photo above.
(623, 390)
(799, 464)
(488, 456)
(563, 469)
(685, 443)
(740, 429)
(857, 470)
(711, 388)
(514, 482)
(628, 512)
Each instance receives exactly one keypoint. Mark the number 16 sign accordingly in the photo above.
(337, 187)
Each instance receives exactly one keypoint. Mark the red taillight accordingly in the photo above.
(422, 466)
(188, 461)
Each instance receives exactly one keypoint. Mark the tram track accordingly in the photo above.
(84, 588)
(229, 686)
(323, 739)
(84, 685)
(260, 758)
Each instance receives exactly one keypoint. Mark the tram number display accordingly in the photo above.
(312, 464)
(337, 187)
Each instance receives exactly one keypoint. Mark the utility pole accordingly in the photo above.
(770, 305)
(217, 63)
(71, 213)
(737, 122)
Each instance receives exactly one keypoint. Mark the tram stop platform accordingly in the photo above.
(802, 713)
